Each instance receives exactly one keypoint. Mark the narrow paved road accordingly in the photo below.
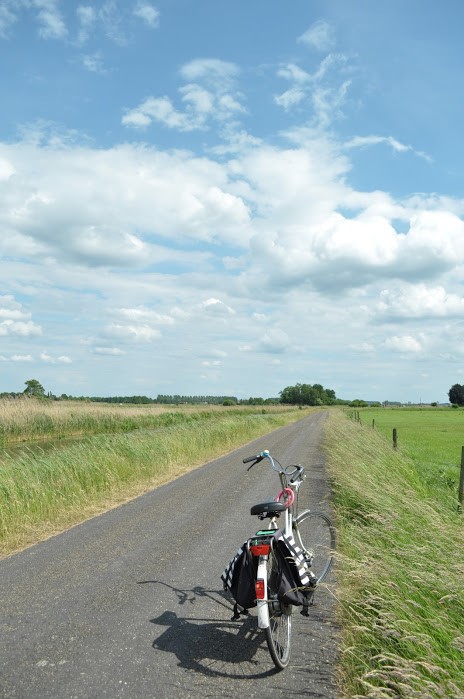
(130, 604)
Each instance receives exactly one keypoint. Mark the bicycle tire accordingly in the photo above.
(279, 631)
(315, 534)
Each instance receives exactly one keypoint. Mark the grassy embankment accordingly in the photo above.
(45, 491)
(33, 420)
(401, 567)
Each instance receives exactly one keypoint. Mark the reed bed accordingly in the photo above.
(31, 419)
(400, 571)
(43, 492)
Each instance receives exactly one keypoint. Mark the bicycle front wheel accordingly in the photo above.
(279, 631)
(315, 534)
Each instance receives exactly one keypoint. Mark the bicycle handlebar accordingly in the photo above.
(253, 458)
(291, 475)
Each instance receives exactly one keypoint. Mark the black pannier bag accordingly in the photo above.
(294, 581)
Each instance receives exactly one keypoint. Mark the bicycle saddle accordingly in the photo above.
(270, 508)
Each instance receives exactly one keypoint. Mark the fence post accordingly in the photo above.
(461, 483)
(373, 424)
(395, 438)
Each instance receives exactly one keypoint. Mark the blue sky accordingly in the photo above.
(205, 197)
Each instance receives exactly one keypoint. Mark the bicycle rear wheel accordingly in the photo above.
(279, 631)
(315, 534)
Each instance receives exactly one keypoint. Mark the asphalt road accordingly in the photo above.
(130, 603)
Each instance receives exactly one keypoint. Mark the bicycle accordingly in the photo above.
(314, 535)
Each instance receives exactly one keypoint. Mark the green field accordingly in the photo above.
(400, 557)
(432, 438)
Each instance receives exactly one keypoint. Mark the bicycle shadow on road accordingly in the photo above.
(212, 646)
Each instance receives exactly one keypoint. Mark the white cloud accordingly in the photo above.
(12, 309)
(81, 205)
(144, 314)
(213, 71)
(7, 18)
(216, 307)
(146, 12)
(209, 95)
(94, 63)
(404, 344)
(397, 146)
(319, 36)
(21, 358)
(46, 357)
(138, 333)
(110, 351)
(324, 91)
(6, 169)
(51, 24)
(19, 328)
(419, 301)
(113, 22)
(87, 18)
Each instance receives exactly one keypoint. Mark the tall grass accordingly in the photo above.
(44, 492)
(401, 571)
(32, 419)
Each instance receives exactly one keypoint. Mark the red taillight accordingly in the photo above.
(260, 589)
(260, 549)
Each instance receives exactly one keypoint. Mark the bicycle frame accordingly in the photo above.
(290, 484)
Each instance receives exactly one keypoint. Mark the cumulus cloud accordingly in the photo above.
(216, 307)
(419, 301)
(48, 358)
(10, 327)
(209, 95)
(130, 332)
(102, 207)
(404, 344)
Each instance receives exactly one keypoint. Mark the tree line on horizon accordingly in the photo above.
(300, 394)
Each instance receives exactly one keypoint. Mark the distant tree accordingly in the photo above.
(358, 403)
(34, 388)
(456, 394)
(305, 394)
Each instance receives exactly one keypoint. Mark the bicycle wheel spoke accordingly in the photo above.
(315, 534)
(278, 634)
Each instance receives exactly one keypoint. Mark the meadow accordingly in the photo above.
(432, 437)
(400, 563)
(47, 486)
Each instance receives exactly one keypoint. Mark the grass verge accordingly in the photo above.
(400, 582)
(43, 492)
